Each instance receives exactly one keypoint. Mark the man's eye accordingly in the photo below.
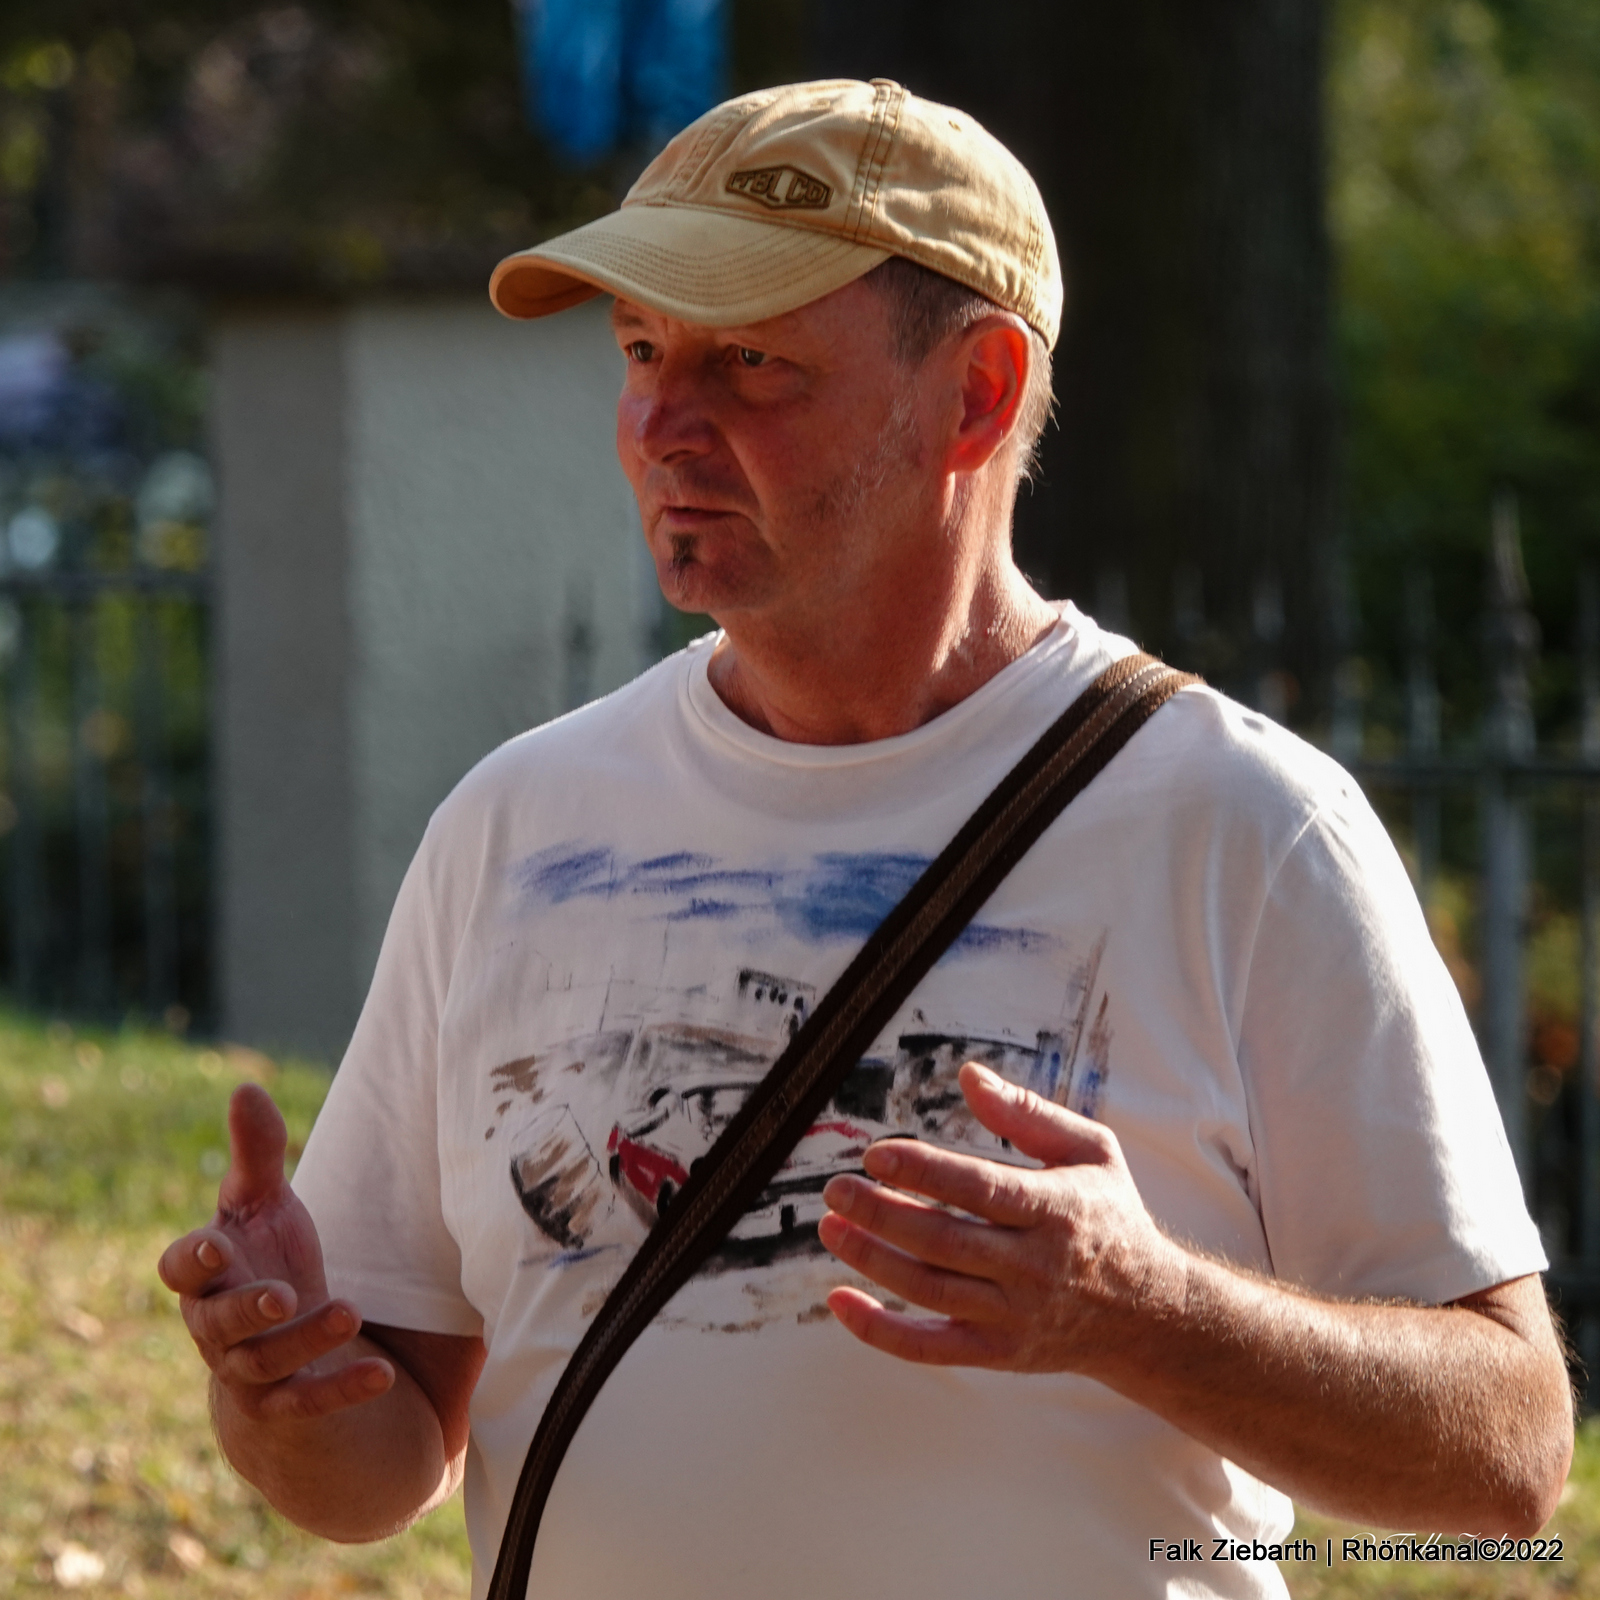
(751, 358)
(640, 350)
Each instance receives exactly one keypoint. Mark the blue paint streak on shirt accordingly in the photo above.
(569, 1258)
(840, 895)
(845, 896)
(561, 874)
(710, 911)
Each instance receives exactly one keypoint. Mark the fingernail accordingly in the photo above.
(208, 1255)
(340, 1320)
(994, 1084)
(885, 1159)
(269, 1305)
(840, 1195)
(375, 1380)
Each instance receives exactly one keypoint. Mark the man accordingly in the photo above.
(1219, 1197)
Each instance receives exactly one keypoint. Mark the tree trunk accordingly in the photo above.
(1178, 144)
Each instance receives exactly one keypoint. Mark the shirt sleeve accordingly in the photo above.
(1383, 1168)
(370, 1172)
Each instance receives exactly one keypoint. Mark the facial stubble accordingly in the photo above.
(845, 498)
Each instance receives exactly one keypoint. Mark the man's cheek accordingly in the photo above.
(631, 414)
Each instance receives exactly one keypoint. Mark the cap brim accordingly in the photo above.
(688, 262)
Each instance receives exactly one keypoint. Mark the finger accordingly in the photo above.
(194, 1263)
(934, 1343)
(926, 1232)
(1035, 1126)
(272, 1357)
(951, 1294)
(226, 1319)
(988, 1189)
(257, 1141)
(309, 1396)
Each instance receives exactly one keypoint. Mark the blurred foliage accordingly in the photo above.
(1465, 206)
(332, 144)
(329, 144)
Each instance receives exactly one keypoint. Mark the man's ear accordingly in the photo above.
(993, 355)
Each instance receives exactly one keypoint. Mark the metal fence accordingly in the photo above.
(1502, 837)
(1531, 818)
(105, 500)
(107, 805)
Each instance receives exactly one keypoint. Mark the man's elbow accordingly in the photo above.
(1531, 1483)
(1543, 1493)
(1524, 1508)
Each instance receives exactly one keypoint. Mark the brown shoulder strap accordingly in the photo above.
(756, 1143)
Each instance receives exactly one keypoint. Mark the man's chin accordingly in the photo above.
(691, 585)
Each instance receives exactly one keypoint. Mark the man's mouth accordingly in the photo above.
(683, 514)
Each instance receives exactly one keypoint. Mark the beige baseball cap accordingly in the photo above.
(774, 199)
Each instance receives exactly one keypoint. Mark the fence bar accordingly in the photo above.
(160, 897)
(27, 903)
(1587, 1164)
(1345, 733)
(67, 585)
(1111, 607)
(1267, 621)
(89, 799)
(1422, 725)
(1511, 637)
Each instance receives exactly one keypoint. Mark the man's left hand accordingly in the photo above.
(1454, 1417)
(1047, 1271)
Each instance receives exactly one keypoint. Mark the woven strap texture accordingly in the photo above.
(772, 1121)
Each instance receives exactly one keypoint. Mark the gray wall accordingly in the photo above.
(425, 547)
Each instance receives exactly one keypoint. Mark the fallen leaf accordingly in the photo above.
(81, 1325)
(77, 1568)
(248, 1063)
(187, 1551)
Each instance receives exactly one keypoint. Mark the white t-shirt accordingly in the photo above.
(611, 928)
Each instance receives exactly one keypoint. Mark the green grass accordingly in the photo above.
(110, 1144)
(1577, 1524)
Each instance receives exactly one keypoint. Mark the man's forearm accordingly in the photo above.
(357, 1474)
(1455, 1418)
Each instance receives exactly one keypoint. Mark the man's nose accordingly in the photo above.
(675, 420)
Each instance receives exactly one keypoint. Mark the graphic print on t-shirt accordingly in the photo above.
(601, 1125)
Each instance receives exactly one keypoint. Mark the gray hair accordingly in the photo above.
(926, 308)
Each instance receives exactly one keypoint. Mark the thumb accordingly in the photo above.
(258, 1140)
(1035, 1126)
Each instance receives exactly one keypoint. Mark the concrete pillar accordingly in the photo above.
(425, 546)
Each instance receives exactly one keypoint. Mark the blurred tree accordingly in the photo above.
(316, 144)
(1465, 202)
(333, 144)
(1179, 148)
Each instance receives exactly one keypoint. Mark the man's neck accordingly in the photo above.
(879, 674)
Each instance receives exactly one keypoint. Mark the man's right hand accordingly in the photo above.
(253, 1292)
